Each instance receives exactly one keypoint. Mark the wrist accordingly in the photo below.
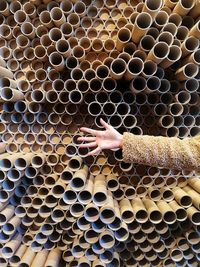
(120, 141)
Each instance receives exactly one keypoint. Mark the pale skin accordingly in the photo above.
(101, 139)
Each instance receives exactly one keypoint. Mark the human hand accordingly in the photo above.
(107, 139)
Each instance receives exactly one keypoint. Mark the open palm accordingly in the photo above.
(107, 139)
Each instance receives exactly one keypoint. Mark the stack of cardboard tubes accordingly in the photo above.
(65, 64)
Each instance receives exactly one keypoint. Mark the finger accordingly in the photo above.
(92, 144)
(86, 138)
(88, 130)
(104, 124)
(94, 152)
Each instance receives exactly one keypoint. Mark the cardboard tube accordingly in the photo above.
(139, 210)
(122, 233)
(173, 56)
(106, 239)
(6, 82)
(118, 68)
(168, 213)
(27, 258)
(194, 215)
(189, 70)
(182, 197)
(123, 37)
(134, 68)
(141, 26)
(5, 73)
(183, 7)
(161, 19)
(154, 213)
(57, 16)
(112, 182)
(126, 211)
(192, 237)
(78, 180)
(146, 43)
(15, 259)
(159, 52)
(85, 195)
(53, 258)
(91, 212)
(57, 61)
(194, 183)
(194, 195)
(152, 8)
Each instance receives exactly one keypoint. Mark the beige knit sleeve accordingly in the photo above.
(159, 151)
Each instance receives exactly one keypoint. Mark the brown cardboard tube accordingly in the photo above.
(173, 56)
(91, 212)
(152, 8)
(183, 198)
(139, 210)
(85, 195)
(123, 37)
(100, 190)
(169, 216)
(53, 258)
(107, 212)
(189, 70)
(194, 195)
(126, 211)
(122, 233)
(183, 7)
(194, 183)
(154, 213)
(27, 258)
(141, 26)
(118, 68)
(106, 239)
(10, 247)
(194, 215)
(57, 61)
(15, 259)
(75, 163)
(5, 73)
(57, 16)
(159, 52)
(167, 194)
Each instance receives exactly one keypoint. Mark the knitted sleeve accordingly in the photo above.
(159, 151)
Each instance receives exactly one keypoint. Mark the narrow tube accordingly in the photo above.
(146, 43)
(57, 16)
(183, 7)
(53, 258)
(173, 56)
(100, 191)
(123, 37)
(141, 26)
(4, 73)
(182, 197)
(134, 68)
(57, 61)
(159, 52)
(118, 68)
(139, 209)
(152, 8)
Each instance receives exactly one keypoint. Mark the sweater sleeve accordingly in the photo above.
(159, 151)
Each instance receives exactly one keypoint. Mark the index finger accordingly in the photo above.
(88, 130)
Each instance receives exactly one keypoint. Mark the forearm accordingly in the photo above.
(159, 151)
